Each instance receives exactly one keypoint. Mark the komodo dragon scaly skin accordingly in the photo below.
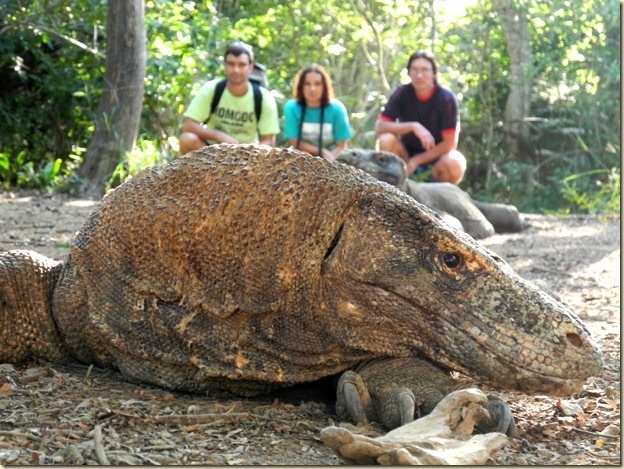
(245, 268)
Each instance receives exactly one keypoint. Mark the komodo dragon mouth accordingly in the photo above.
(503, 359)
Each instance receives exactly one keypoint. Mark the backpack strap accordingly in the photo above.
(320, 145)
(320, 142)
(303, 109)
(257, 92)
(216, 97)
(220, 88)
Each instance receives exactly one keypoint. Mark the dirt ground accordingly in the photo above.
(74, 414)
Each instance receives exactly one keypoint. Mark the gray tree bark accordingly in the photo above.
(119, 112)
(513, 17)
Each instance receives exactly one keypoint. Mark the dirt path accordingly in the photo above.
(73, 414)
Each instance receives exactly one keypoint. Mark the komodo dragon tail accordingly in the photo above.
(27, 328)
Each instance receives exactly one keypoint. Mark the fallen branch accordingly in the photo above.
(99, 446)
(20, 435)
(75, 455)
(598, 435)
(191, 419)
(188, 419)
(33, 377)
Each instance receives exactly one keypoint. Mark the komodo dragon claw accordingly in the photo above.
(394, 392)
(501, 419)
(353, 398)
(396, 407)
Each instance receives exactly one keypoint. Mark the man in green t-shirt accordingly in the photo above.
(234, 119)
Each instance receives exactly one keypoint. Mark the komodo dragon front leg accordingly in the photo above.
(395, 391)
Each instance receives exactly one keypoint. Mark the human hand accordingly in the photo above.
(412, 164)
(328, 155)
(425, 137)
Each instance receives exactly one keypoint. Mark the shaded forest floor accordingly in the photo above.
(75, 414)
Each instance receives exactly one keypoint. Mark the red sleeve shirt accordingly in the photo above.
(439, 114)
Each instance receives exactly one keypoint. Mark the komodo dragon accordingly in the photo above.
(245, 268)
(479, 219)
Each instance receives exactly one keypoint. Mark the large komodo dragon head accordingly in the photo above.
(245, 267)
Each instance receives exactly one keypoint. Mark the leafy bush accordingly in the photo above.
(591, 194)
(50, 71)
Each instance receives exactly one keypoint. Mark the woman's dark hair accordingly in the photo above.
(423, 54)
(328, 90)
(240, 48)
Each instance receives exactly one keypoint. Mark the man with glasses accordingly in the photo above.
(234, 119)
(420, 123)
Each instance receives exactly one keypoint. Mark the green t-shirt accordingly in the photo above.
(235, 115)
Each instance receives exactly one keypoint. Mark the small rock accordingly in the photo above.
(7, 368)
(611, 430)
(544, 453)
(570, 408)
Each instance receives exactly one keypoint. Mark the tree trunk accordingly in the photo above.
(119, 112)
(513, 17)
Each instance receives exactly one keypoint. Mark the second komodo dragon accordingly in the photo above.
(246, 268)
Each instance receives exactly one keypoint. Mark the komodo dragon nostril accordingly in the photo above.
(574, 339)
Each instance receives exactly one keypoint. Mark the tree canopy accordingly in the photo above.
(567, 158)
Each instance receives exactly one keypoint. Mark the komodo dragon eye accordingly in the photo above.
(452, 260)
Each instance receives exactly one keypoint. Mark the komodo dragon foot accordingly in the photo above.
(443, 437)
(395, 391)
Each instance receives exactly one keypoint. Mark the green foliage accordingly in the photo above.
(146, 153)
(43, 177)
(574, 128)
(51, 68)
(57, 174)
(5, 170)
(185, 41)
(594, 195)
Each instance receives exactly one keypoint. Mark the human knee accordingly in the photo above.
(456, 173)
(459, 159)
(387, 142)
(189, 142)
(450, 168)
(390, 142)
(458, 166)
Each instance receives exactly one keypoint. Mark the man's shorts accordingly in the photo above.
(423, 173)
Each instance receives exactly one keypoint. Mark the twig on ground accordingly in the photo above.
(20, 435)
(188, 419)
(598, 435)
(99, 446)
(76, 456)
